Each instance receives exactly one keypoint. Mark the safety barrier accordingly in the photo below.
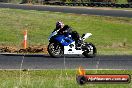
(93, 4)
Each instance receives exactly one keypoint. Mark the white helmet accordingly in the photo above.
(59, 24)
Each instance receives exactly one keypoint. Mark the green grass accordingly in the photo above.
(12, 1)
(53, 79)
(110, 34)
(16, 1)
(121, 1)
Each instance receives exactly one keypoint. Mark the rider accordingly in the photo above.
(65, 30)
(59, 26)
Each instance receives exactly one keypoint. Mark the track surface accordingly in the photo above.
(116, 13)
(46, 62)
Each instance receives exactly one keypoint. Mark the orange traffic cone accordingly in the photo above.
(25, 39)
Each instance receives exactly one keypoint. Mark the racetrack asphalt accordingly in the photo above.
(9, 61)
(89, 11)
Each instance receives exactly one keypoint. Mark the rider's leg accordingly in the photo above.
(76, 37)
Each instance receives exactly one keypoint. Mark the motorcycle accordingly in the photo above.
(60, 45)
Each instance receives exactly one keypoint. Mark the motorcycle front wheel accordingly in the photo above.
(55, 50)
(90, 51)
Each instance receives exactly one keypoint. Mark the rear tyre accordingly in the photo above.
(55, 50)
(91, 51)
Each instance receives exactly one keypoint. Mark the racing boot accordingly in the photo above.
(79, 44)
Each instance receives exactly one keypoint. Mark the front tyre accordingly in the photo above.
(55, 50)
(90, 51)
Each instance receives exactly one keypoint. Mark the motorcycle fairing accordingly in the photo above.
(52, 34)
(65, 41)
(71, 49)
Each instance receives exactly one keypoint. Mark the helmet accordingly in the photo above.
(59, 24)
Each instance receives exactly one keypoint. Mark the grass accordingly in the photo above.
(53, 79)
(16, 1)
(121, 1)
(110, 34)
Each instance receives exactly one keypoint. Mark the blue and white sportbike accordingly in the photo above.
(60, 45)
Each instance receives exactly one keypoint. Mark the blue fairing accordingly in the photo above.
(65, 41)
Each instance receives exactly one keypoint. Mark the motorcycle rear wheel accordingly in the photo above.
(91, 51)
